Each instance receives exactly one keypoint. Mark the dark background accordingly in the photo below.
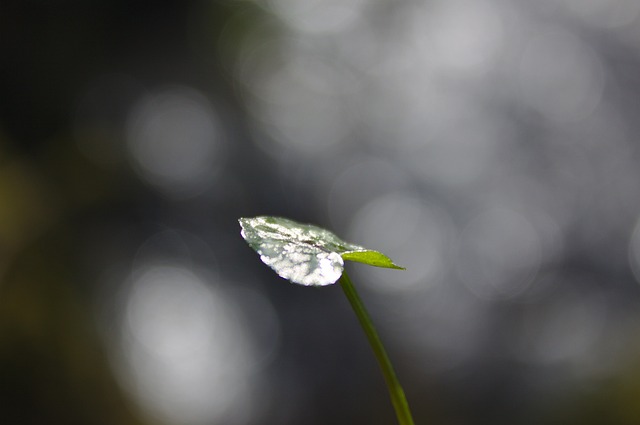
(489, 146)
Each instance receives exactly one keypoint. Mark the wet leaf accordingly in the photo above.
(303, 253)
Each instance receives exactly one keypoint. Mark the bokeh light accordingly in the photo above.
(418, 235)
(607, 14)
(358, 184)
(300, 105)
(176, 141)
(187, 345)
(560, 77)
(313, 16)
(566, 329)
(186, 351)
(188, 357)
(462, 36)
(500, 253)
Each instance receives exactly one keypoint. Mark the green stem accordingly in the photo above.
(393, 385)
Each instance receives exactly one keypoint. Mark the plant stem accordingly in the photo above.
(396, 392)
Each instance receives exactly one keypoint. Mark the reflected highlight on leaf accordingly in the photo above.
(303, 253)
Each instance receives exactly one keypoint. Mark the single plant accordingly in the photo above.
(312, 256)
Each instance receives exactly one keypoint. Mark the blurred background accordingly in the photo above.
(489, 146)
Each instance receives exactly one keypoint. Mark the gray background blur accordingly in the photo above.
(491, 147)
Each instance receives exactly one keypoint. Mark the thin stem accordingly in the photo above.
(393, 385)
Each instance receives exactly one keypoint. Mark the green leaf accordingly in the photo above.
(303, 253)
(372, 258)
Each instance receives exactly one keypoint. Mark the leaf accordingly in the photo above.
(303, 253)
(373, 258)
